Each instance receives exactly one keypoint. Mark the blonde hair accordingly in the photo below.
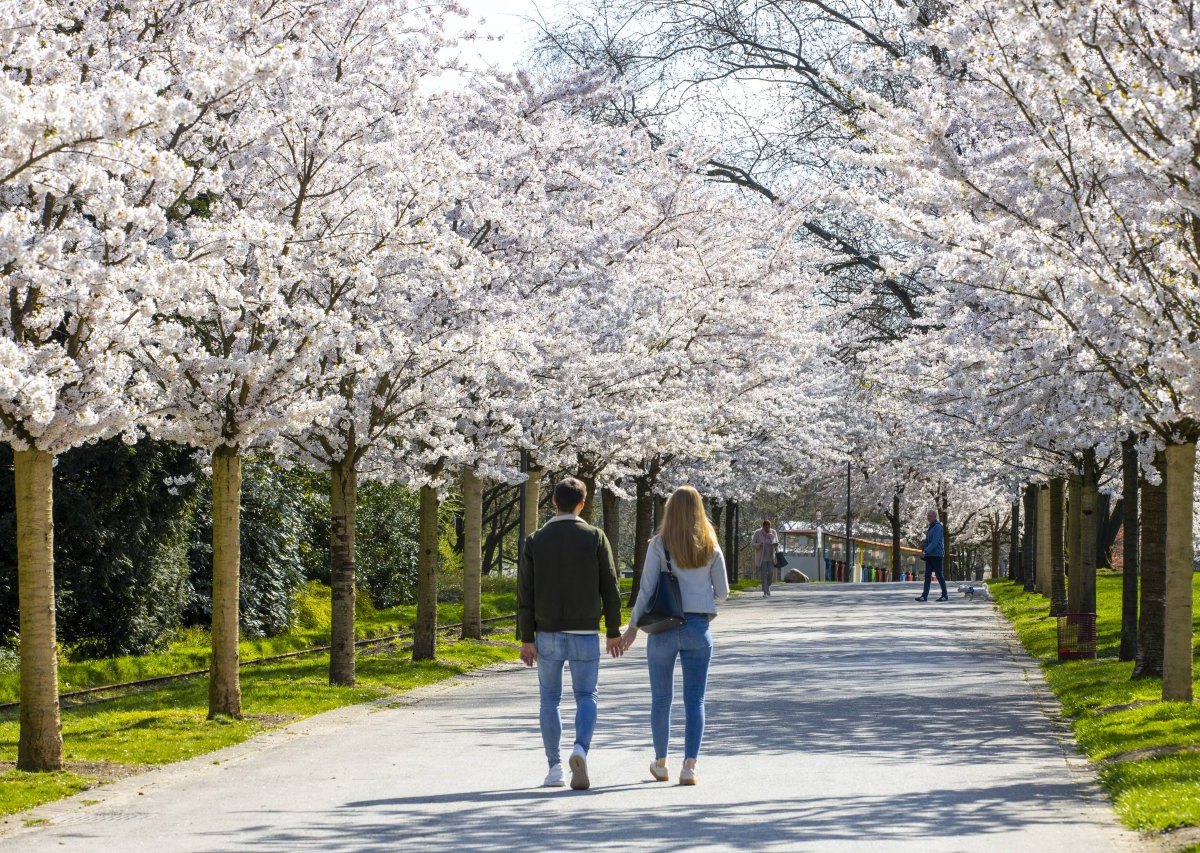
(686, 531)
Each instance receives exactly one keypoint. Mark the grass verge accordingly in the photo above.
(1151, 789)
(170, 724)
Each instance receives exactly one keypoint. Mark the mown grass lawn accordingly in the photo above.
(1150, 793)
(170, 723)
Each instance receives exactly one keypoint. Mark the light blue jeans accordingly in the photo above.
(691, 642)
(554, 649)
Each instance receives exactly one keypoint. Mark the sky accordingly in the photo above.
(505, 18)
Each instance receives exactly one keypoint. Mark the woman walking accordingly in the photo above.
(765, 543)
(686, 545)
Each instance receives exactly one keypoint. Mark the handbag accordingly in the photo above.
(666, 607)
(780, 560)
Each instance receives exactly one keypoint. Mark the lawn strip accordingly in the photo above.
(1114, 717)
(170, 724)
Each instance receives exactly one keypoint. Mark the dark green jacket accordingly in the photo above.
(566, 575)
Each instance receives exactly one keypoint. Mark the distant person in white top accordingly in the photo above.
(765, 543)
(688, 540)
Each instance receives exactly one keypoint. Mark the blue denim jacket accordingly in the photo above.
(935, 541)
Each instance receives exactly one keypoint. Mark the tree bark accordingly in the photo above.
(1044, 566)
(533, 498)
(730, 542)
(660, 506)
(611, 505)
(948, 562)
(472, 489)
(425, 629)
(1029, 555)
(343, 503)
(642, 529)
(1152, 609)
(897, 560)
(224, 682)
(715, 512)
(1058, 574)
(588, 513)
(1089, 532)
(1014, 542)
(39, 745)
(1129, 572)
(1074, 554)
(1177, 622)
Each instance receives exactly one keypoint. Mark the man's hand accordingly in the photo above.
(615, 647)
(528, 654)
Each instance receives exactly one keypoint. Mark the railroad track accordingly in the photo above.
(92, 695)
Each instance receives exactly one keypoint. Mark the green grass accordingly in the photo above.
(170, 724)
(20, 791)
(1149, 794)
(190, 648)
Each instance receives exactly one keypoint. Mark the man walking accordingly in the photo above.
(566, 577)
(932, 552)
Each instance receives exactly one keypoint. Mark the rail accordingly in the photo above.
(180, 676)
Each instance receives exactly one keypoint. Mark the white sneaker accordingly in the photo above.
(554, 779)
(579, 772)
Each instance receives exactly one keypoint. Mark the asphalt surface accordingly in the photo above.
(840, 718)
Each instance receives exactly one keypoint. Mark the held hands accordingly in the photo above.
(616, 648)
(528, 654)
(628, 637)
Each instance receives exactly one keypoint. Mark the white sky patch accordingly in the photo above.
(506, 31)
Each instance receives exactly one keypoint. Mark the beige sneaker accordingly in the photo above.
(659, 772)
(687, 776)
(579, 770)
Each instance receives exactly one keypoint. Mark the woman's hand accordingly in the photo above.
(628, 637)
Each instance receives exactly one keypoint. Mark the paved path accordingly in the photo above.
(840, 718)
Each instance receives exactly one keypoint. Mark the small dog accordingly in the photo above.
(975, 590)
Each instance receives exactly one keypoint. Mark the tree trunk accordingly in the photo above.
(1153, 565)
(897, 557)
(533, 497)
(948, 562)
(1074, 554)
(1058, 573)
(425, 630)
(611, 505)
(1089, 532)
(660, 507)
(730, 542)
(1014, 542)
(995, 555)
(1044, 551)
(1177, 623)
(1129, 573)
(343, 504)
(472, 489)
(715, 512)
(588, 513)
(1029, 554)
(39, 746)
(224, 684)
(642, 530)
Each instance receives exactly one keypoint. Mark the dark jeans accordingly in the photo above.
(933, 566)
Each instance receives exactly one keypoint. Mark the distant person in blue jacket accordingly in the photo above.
(933, 552)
